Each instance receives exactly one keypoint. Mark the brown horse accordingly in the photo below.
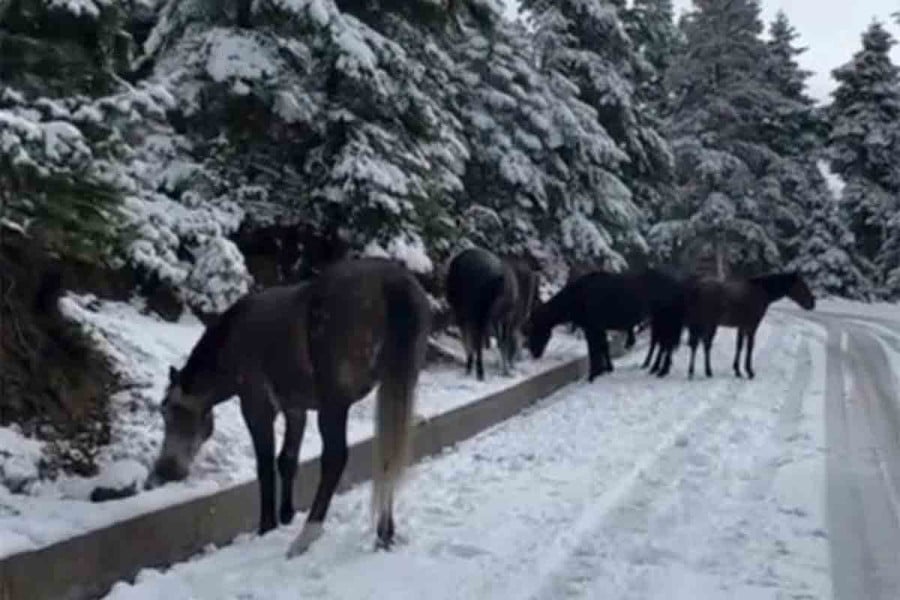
(483, 293)
(527, 299)
(739, 303)
(321, 345)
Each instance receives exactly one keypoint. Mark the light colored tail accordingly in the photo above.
(404, 355)
(396, 397)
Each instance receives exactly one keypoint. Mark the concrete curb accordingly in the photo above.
(87, 566)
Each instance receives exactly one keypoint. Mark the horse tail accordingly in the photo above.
(403, 354)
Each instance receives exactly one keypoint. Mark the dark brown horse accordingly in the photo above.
(598, 302)
(321, 346)
(738, 303)
(527, 299)
(595, 265)
(483, 293)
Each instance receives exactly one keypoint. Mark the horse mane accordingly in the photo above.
(776, 285)
(205, 354)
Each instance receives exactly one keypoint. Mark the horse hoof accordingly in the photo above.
(751, 375)
(266, 527)
(309, 534)
(286, 516)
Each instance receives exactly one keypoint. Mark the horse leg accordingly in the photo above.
(660, 356)
(604, 348)
(737, 352)
(748, 365)
(650, 350)
(666, 365)
(259, 415)
(660, 363)
(333, 429)
(692, 342)
(478, 340)
(707, 350)
(595, 355)
(629, 340)
(467, 344)
(295, 424)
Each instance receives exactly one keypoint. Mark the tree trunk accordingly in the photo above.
(720, 260)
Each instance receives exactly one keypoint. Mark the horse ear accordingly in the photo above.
(173, 375)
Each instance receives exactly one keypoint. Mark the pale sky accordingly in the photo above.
(830, 29)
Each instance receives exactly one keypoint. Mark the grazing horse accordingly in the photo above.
(581, 268)
(600, 301)
(738, 303)
(483, 292)
(320, 345)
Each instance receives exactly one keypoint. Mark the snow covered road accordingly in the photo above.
(863, 433)
(632, 487)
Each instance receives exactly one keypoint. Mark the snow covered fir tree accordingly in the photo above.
(720, 100)
(863, 146)
(185, 152)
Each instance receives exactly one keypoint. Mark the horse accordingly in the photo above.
(483, 292)
(666, 326)
(528, 297)
(581, 268)
(600, 301)
(318, 345)
(740, 303)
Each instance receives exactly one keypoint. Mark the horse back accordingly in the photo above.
(607, 301)
(744, 303)
(479, 285)
(361, 312)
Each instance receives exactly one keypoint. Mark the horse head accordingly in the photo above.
(538, 331)
(188, 419)
(800, 293)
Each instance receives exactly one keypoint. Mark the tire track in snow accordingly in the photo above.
(650, 501)
(864, 472)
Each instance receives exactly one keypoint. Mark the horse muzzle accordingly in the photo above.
(165, 471)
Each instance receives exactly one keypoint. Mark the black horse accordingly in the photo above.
(738, 303)
(666, 324)
(320, 346)
(483, 293)
(598, 302)
(579, 269)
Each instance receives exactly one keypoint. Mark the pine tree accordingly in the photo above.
(587, 42)
(53, 187)
(865, 142)
(651, 26)
(721, 102)
(795, 130)
(826, 255)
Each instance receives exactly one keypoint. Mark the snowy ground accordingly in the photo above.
(630, 487)
(143, 347)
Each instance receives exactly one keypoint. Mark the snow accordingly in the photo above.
(627, 487)
(407, 248)
(20, 455)
(885, 310)
(142, 346)
(237, 57)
